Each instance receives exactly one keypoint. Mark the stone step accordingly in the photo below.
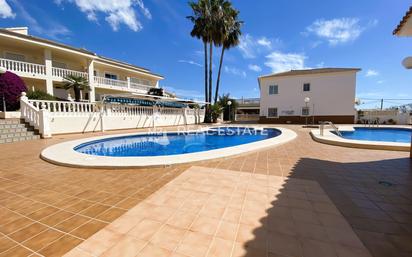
(17, 134)
(17, 139)
(15, 130)
(11, 126)
(10, 121)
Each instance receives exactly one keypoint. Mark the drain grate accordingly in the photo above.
(385, 183)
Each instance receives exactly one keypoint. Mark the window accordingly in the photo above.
(273, 112)
(273, 89)
(305, 111)
(16, 57)
(110, 76)
(306, 87)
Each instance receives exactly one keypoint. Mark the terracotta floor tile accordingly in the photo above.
(168, 237)
(27, 232)
(145, 229)
(182, 219)
(205, 225)
(153, 251)
(60, 246)
(110, 214)
(15, 225)
(17, 251)
(227, 231)
(88, 229)
(220, 248)
(71, 223)
(94, 210)
(56, 218)
(313, 248)
(6, 243)
(283, 244)
(42, 213)
(125, 247)
(43, 239)
(194, 244)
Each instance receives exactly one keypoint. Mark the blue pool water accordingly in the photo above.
(379, 134)
(175, 143)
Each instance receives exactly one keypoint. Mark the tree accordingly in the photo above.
(77, 83)
(11, 87)
(210, 24)
(228, 110)
(231, 35)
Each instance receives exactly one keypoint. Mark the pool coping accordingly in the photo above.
(333, 139)
(63, 153)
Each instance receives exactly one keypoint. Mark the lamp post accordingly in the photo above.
(307, 100)
(2, 71)
(229, 103)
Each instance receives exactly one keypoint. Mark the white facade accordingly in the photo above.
(43, 65)
(331, 93)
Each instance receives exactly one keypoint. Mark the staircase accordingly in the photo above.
(15, 130)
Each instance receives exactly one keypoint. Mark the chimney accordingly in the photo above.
(20, 30)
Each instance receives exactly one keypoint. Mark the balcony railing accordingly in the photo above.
(23, 68)
(140, 86)
(105, 82)
(62, 73)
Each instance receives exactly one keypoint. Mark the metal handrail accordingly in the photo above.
(330, 123)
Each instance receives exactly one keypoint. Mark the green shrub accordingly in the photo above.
(40, 95)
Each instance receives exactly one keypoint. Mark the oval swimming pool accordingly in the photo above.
(175, 143)
(400, 135)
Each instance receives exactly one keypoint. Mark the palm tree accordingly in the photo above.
(227, 110)
(209, 18)
(231, 35)
(201, 23)
(77, 83)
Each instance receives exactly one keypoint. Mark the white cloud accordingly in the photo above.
(254, 67)
(263, 41)
(190, 62)
(116, 12)
(279, 61)
(250, 46)
(320, 65)
(235, 71)
(371, 73)
(5, 10)
(337, 31)
(381, 81)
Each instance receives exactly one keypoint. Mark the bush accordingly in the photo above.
(40, 95)
(11, 87)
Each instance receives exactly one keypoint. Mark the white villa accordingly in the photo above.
(43, 64)
(311, 95)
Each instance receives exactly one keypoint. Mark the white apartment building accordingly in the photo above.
(43, 64)
(312, 95)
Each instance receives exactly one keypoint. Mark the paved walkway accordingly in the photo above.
(48, 210)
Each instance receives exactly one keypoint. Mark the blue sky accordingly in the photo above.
(277, 35)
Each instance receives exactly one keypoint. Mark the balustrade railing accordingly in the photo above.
(65, 107)
(110, 82)
(23, 67)
(62, 73)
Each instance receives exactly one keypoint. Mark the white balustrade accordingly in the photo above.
(62, 73)
(26, 68)
(105, 82)
(61, 107)
(138, 86)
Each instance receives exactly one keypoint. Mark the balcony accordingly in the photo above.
(34, 70)
(124, 85)
(59, 73)
(24, 69)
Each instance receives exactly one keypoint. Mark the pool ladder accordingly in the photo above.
(330, 123)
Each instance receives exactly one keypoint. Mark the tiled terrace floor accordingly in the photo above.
(48, 210)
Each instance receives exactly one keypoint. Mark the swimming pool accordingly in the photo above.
(399, 135)
(175, 143)
(144, 149)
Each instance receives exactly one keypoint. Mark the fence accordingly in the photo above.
(57, 117)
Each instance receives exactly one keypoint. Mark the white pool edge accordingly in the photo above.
(333, 139)
(65, 155)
